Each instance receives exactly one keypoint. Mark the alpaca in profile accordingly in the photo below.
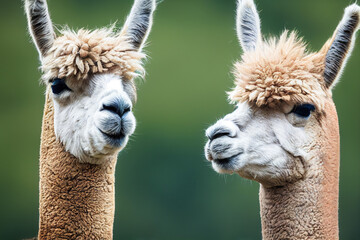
(284, 132)
(87, 118)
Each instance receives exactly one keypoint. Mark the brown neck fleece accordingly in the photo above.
(307, 209)
(76, 199)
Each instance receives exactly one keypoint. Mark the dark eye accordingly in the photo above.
(303, 110)
(59, 85)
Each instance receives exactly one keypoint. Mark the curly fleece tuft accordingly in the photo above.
(79, 54)
(280, 71)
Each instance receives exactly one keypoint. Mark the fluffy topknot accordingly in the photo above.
(280, 71)
(79, 54)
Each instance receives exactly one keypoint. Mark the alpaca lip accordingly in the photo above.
(113, 136)
(116, 140)
(225, 162)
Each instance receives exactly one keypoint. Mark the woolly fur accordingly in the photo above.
(76, 199)
(280, 71)
(76, 55)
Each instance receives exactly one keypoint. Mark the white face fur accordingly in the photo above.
(94, 120)
(265, 145)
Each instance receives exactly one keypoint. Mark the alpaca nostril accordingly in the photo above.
(218, 133)
(110, 107)
(127, 109)
(221, 134)
(118, 109)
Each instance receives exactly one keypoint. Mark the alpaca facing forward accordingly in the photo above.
(284, 133)
(87, 118)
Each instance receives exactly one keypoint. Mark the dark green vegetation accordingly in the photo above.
(165, 189)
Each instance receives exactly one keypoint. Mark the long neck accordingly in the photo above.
(307, 209)
(76, 199)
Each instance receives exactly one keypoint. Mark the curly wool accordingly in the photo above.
(79, 54)
(280, 71)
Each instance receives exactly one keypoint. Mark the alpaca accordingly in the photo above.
(87, 118)
(284, 132)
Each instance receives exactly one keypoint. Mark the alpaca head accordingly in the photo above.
(285, 111)
(89, 76)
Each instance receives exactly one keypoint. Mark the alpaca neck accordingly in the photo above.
(307, 209)
(76, 199)
(298, 211)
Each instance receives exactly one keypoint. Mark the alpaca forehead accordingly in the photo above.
(78, 55)
(280, 71)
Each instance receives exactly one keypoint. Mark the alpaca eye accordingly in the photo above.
(59, 85)
(303, 110)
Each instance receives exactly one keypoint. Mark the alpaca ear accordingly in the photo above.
(40, 25)
(248, 25)
(138, 24)
(341, 45)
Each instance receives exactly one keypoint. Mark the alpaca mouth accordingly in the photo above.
(226, 163)
(116, 140)
(114, 136)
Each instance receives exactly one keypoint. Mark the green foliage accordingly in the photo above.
(165, 189)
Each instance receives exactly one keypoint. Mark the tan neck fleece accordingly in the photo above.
(307, 209)
(76, 199)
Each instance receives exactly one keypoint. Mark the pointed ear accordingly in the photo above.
(138, 24)
(248, 25)
(40, 25)
(341, 45)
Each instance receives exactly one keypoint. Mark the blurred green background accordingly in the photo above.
(165, 189)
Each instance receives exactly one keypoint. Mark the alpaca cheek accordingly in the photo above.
(129, 124)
